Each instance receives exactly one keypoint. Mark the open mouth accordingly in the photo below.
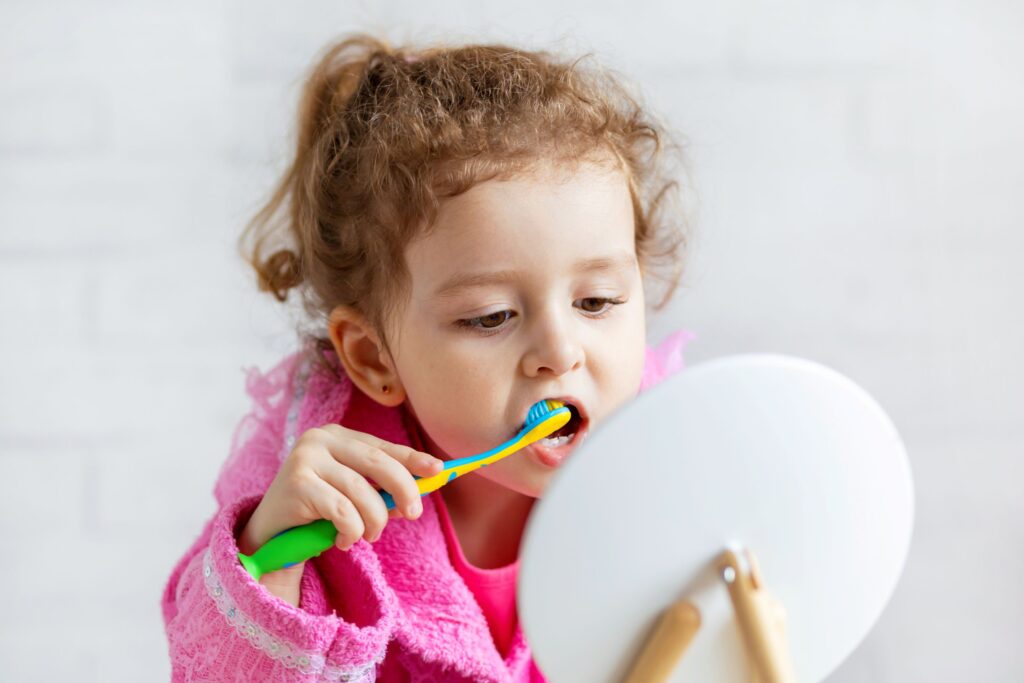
(568, 432)
(555, 448)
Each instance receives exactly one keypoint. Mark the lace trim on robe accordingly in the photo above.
(281, 651)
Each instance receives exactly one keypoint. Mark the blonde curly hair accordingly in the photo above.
(385, 134)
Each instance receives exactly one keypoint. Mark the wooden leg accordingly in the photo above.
(671, 636)
(760, 616)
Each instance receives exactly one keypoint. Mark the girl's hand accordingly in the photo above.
(325, 477)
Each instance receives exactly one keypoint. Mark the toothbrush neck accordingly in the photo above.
(488, 518)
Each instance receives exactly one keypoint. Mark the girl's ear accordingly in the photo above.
(367, 362)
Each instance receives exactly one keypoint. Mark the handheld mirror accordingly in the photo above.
(775, 454)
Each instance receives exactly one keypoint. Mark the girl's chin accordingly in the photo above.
(551, 457)
(531, 481)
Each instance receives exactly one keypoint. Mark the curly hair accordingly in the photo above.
(385, 134)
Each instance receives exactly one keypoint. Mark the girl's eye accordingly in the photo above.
(601, 303)
(494, 322)
(486, 322)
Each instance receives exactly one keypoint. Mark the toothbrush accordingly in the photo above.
(301, 543)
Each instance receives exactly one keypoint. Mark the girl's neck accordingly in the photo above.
(488, 520)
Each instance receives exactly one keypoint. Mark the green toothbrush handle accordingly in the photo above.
(289, 547)
(300, 543)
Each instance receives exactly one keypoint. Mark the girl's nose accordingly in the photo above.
(554, 348)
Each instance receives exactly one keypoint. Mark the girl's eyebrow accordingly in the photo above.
(620, 261)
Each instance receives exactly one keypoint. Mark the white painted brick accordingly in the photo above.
(733, 122)
(962, 536)
(99, 394)
(120, 37)
(53, 117)
(170, 119)
(263, 128)
(138, 39)
(900, 118)
(109, 205)
(39, 41)
(274, 44)
(98, 599)
(824, 36)
(41, 491)
(161, 484)
(45, 304)
(638, 41)
(194, 298)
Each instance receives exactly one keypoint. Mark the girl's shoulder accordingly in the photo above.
(665, 358)
(297, 390)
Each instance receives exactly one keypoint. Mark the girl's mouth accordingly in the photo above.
(568, 431)
(552, 450)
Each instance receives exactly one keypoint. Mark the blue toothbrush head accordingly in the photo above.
(541, 409)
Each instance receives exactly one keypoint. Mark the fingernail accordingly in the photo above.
(415, 508)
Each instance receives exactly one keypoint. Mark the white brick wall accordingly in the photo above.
(859, 170)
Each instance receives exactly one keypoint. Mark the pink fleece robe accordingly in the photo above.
(394, 610)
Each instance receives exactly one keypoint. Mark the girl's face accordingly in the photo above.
(526, 289)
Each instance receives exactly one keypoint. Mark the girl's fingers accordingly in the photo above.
(385, 470)
(361, 494)
(419, 463)
(333, 505)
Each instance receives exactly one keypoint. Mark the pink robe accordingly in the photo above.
(395, 610)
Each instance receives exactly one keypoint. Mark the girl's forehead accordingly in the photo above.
(526, 229)
(531, 211)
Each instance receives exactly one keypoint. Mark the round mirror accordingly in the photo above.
(777, 454)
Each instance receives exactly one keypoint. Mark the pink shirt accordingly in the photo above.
(494, 589)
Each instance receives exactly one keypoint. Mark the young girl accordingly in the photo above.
(471, 230)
